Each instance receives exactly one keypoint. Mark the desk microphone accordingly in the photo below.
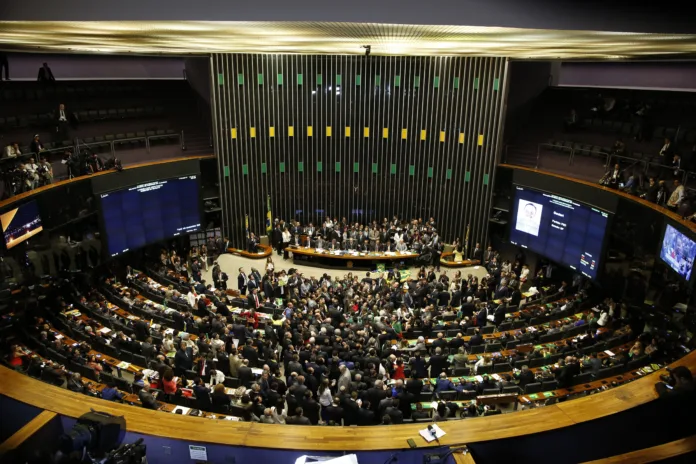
(433, 433)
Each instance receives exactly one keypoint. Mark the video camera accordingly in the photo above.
(96, 438)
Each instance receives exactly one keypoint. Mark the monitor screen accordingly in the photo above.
(678, 251)
(21, 224)
(137, 216)
(562, 229)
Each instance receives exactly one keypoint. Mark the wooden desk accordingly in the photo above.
(447, 260)
(347, 259)
(264, 252)
(139, 420)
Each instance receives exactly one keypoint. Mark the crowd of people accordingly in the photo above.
(323, 350)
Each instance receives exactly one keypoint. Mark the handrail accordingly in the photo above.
(139, 420)
(61, 183)
(664, 211)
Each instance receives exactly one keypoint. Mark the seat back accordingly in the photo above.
(532, 388)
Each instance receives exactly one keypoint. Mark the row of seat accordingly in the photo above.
(76, 91)
(626, 128)
(47, 119)
(583, 149)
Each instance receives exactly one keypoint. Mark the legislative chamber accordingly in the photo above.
(353, 233)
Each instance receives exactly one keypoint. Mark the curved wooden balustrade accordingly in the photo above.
(691, 226)
(62, 183)
(266, 251)
(25, 389)
(444, 261)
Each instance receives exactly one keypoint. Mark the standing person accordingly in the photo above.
(4, 64)
(45, 74)
(242, 281)
(287, 236)
(45, 171)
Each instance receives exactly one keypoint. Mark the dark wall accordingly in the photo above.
(537, 14)
(527, 80)
(198, 76)
(649, 75)
(609, 436)
(25, 66)
(441, 166)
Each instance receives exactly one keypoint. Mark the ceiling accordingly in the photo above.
(201, 37)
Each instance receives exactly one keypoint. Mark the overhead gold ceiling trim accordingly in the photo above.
(202, 37)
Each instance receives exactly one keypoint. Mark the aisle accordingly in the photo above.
(231, 263)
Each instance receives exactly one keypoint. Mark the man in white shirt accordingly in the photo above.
(32, 176)
(677, 195)
(12, 150)
(666, 149)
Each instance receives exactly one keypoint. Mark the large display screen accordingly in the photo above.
(21, 224)
(678, 251)
(137, 216)
(559, 228)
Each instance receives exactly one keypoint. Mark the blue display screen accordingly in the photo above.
(678, 251)
(150, 212)
(564, 230)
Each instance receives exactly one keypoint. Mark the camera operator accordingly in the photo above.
(679, 381)
(94, 164)
(45, 172)
(32, 175)
(72, 163)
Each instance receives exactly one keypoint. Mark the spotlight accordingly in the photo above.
(368, 49)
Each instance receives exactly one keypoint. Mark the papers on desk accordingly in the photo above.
(105, 330)
(610, 353)
(150, 374)
(497, 377)
(479, 378)
(169, 331)
(232, 418)
(347, 459)
(184, 411)
(72, 312)
(256, 371)
(425, 433)
(59, 336)
(123, 365)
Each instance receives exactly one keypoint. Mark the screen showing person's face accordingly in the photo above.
(528, 217)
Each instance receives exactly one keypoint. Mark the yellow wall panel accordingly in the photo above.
(271, 131)
(442, 136)
(461, 137)
(480, 140)
(366, 132)
(404, 133)
(310, 131)
(385, 133)
(347, 131)
(252, 132)
(233, 133)
(291, 131)
(328, 131)
(423, 133)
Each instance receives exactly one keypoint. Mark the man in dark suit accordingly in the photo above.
(375, 394)
(148, 349)
(298, 418)
(250, 354)
(252, 283)
(202, 394)
(141, 329)
(525, 377)
(253, 299)
(438, 363)
(365, 416)
(244, 373)
(45, 74)
(146, 399)
(488, 255)
(476, 339)
(252, 243)
(183, 359)
(477, 253)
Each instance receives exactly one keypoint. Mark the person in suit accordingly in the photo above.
(488, 255)
(45, 74)
(36, 145)
(298, 418)
(183, 359)
(477, 253)
(148, 349)
(244, 373)
(252, 243)
(525, 377)
(242, 281)
(253, 299)
(141, 329)
(438, 363)
(146, 399)
(202, 394)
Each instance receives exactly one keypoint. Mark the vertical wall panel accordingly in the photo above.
(450, 95)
